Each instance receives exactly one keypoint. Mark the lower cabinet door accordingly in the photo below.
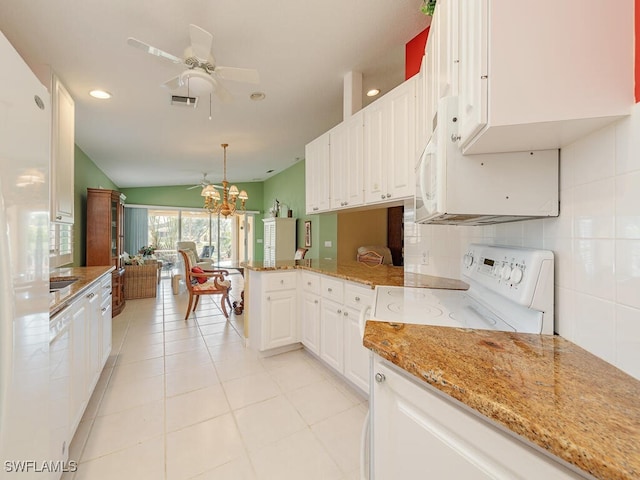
(311, 322)
(331, 334)
(280, 322)
(356, 355)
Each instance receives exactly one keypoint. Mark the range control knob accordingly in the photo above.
(467, 260)
(516, 275)
(506, 272)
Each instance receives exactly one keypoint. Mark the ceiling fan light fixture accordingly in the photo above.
(199, 81)
(225, 204)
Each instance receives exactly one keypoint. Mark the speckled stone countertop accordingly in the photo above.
(362, 273)
(542, 387)
(86, 277)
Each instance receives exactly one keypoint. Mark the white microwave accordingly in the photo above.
(452, 188)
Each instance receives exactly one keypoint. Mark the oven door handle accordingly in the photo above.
(361, 319)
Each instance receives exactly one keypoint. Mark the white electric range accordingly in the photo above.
(510, 289)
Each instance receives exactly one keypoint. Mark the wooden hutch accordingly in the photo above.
(105, 237)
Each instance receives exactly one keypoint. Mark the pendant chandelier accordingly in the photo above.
(224, 204)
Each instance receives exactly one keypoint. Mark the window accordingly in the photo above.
(226, 240)
(60, 244)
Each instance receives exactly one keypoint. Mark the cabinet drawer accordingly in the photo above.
(332, 288)
(356, 296)
(311, 283)
(280, 281)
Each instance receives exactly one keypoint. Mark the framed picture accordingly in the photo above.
(307, 233)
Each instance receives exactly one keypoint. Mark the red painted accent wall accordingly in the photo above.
(414, 51)
(637, 62)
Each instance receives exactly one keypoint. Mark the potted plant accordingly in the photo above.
(428, 7)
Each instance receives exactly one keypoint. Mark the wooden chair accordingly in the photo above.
(216, 284)
(370, 258)
(300, 253)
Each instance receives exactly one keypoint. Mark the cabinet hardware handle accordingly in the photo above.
(380, 377)
(346, 314)
(357, 299)
(104, 309)
(315, 301)
(59, 217)
(309, 283)
(329, 290)
(339, 311)
(388, 195)
(91, 295)
(455, 138)
(268, 298)
(382, 196)
(281, 282)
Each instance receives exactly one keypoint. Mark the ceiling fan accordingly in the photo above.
(203, 183)
(202, 75)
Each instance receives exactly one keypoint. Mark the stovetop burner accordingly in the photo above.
(425, 309)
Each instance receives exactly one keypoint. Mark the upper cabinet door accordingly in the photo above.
(537, 76)
(62, 153)
(472, 68)
(317, 171)
(401, 119)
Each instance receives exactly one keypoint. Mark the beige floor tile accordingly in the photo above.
(143, 461)
(202, 447)
(299, 456)
(239, 367)
(296, 375)
(189, 379)
(340, 435)
(131, 394)
(238, 469)
(195, 406)
(183, 360)
(251, 389)
(185, 345)
(127, 428)
(266, 422)
(319, 401)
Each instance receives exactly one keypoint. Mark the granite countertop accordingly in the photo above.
(86, 277)
(542, 387)
(362, 273)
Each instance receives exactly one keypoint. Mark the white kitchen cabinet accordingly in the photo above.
(310, 310)
(524, 86)
(417, 431)
(62, 153)
(94, 338)
(79, 353)
(60, 384)
(279, 239)
(331, 334)
(317, 174)
(272, 310)
(105, 313)
(389, 145)
(356, 355)
(347, 157)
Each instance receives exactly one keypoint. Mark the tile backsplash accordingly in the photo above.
(596, 242)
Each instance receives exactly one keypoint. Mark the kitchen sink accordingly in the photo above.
(58, 283)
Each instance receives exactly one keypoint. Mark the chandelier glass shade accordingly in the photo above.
(225, 204)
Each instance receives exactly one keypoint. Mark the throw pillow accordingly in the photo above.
(199, 270)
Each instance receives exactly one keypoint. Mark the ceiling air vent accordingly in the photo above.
(184, 101)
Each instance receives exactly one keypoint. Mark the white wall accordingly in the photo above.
(596, 242)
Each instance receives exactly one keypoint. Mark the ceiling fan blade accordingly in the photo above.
(195, 186)
(247, 75)
(134, 42)
(221, 92)
(174, 83)
(201, 41)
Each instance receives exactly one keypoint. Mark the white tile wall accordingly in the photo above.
(596, 242)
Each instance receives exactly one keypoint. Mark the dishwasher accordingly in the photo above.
(60, 384)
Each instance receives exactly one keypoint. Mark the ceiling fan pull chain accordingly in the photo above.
(209, 106)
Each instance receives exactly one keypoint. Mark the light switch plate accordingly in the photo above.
(328, 243)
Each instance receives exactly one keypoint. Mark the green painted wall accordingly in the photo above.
(86, 175)
(288, 187)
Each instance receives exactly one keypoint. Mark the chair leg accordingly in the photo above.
(225, 296)
(195, 305)
(189, 307)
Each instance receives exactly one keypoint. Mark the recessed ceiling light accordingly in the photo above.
(270, 171)
(373, 92)
(101, 94)
(257, 96)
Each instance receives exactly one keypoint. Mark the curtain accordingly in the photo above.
(136, 229)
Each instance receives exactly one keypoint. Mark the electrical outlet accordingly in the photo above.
(425, 258)
(328, 243)
(259, 240)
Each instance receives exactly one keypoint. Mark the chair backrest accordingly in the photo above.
(187, 246)
(300, 253)
(383, 251)
(370, 258)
